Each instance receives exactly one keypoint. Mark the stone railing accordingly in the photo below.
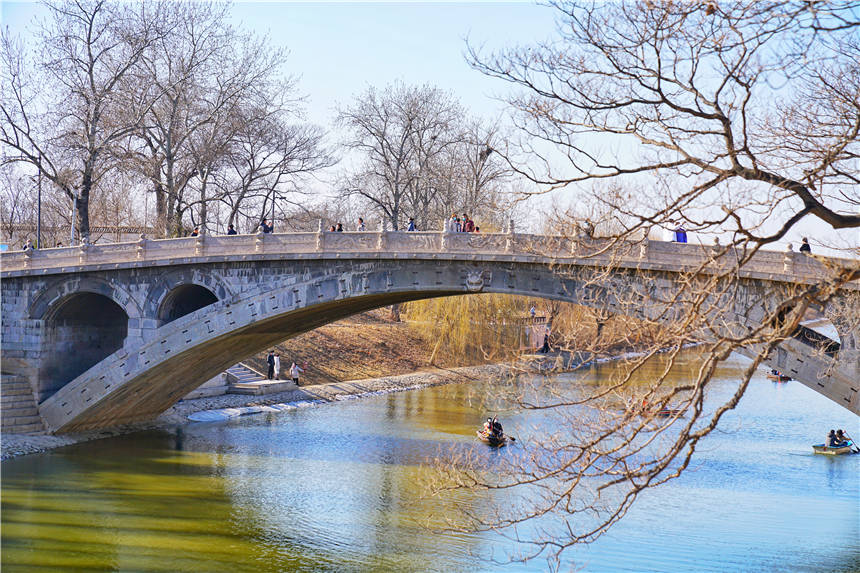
(645, 254)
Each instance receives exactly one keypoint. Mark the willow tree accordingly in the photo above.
(736, 121)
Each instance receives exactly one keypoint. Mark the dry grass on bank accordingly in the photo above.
(371, 344)
(368, 345)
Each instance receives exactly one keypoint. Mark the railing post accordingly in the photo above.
(28, 257)
(320, 235)
(643, 249)
(259, 240)
(383, 230)
(509, 240)
(82, 252)
(443, 242)
(141, 247)
(788, 260)
(199, 243)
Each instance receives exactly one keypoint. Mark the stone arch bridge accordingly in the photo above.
(117, 333)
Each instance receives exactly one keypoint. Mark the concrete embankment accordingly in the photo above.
(216, 408)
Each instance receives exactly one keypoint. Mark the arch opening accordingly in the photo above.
(183, 300)
(80, 332)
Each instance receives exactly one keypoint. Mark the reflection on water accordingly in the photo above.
(337, 488)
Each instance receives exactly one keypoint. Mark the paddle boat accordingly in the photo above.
(833, 451)
(494, 440)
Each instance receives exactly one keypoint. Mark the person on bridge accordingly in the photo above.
(230, 229)
(195, 232)
(339, 228)
(804, 246)
(451, 224)
(295, 370)
(270, 360)
(360, 226)
(680, 234)
(411, 225)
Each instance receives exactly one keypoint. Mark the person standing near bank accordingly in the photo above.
(295, 369)
(270, 360)
(277, 366)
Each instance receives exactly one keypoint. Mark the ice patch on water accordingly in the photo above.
(222, 414)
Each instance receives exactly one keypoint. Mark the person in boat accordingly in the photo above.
(831, 440)
(841, 439)
(488, 425)
(497, 428)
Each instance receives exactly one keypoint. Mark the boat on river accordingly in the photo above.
(497, 441)
(778, 377)
(833, 451)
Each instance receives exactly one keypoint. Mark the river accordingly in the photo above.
(338, 487)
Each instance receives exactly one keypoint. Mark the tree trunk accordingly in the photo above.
(160, 211)
(395, 312)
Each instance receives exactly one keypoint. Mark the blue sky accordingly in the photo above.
(338, 49)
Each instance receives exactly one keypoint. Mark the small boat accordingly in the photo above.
(831, 451)
(778, 377)
(492, 439)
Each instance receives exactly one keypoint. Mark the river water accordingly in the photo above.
(339, 487)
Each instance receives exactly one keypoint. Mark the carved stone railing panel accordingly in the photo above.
(486, 242)
(350, 241)
(414, 242)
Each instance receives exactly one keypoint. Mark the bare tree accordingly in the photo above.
(61, 115)
(737, 119)
(396, 135)
(268, 159)
(698, 96)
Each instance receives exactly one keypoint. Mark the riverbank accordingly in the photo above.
(14, 445)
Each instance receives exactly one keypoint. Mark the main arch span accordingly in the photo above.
(196, 306)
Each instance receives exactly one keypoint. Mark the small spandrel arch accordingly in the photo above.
(182, 300)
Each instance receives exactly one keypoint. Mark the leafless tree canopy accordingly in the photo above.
(166, 97)
(419, 155)
(750, 107)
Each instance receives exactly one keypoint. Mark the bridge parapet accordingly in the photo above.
(645, 254)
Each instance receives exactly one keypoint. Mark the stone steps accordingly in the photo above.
(248, 381)
(19, 413)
